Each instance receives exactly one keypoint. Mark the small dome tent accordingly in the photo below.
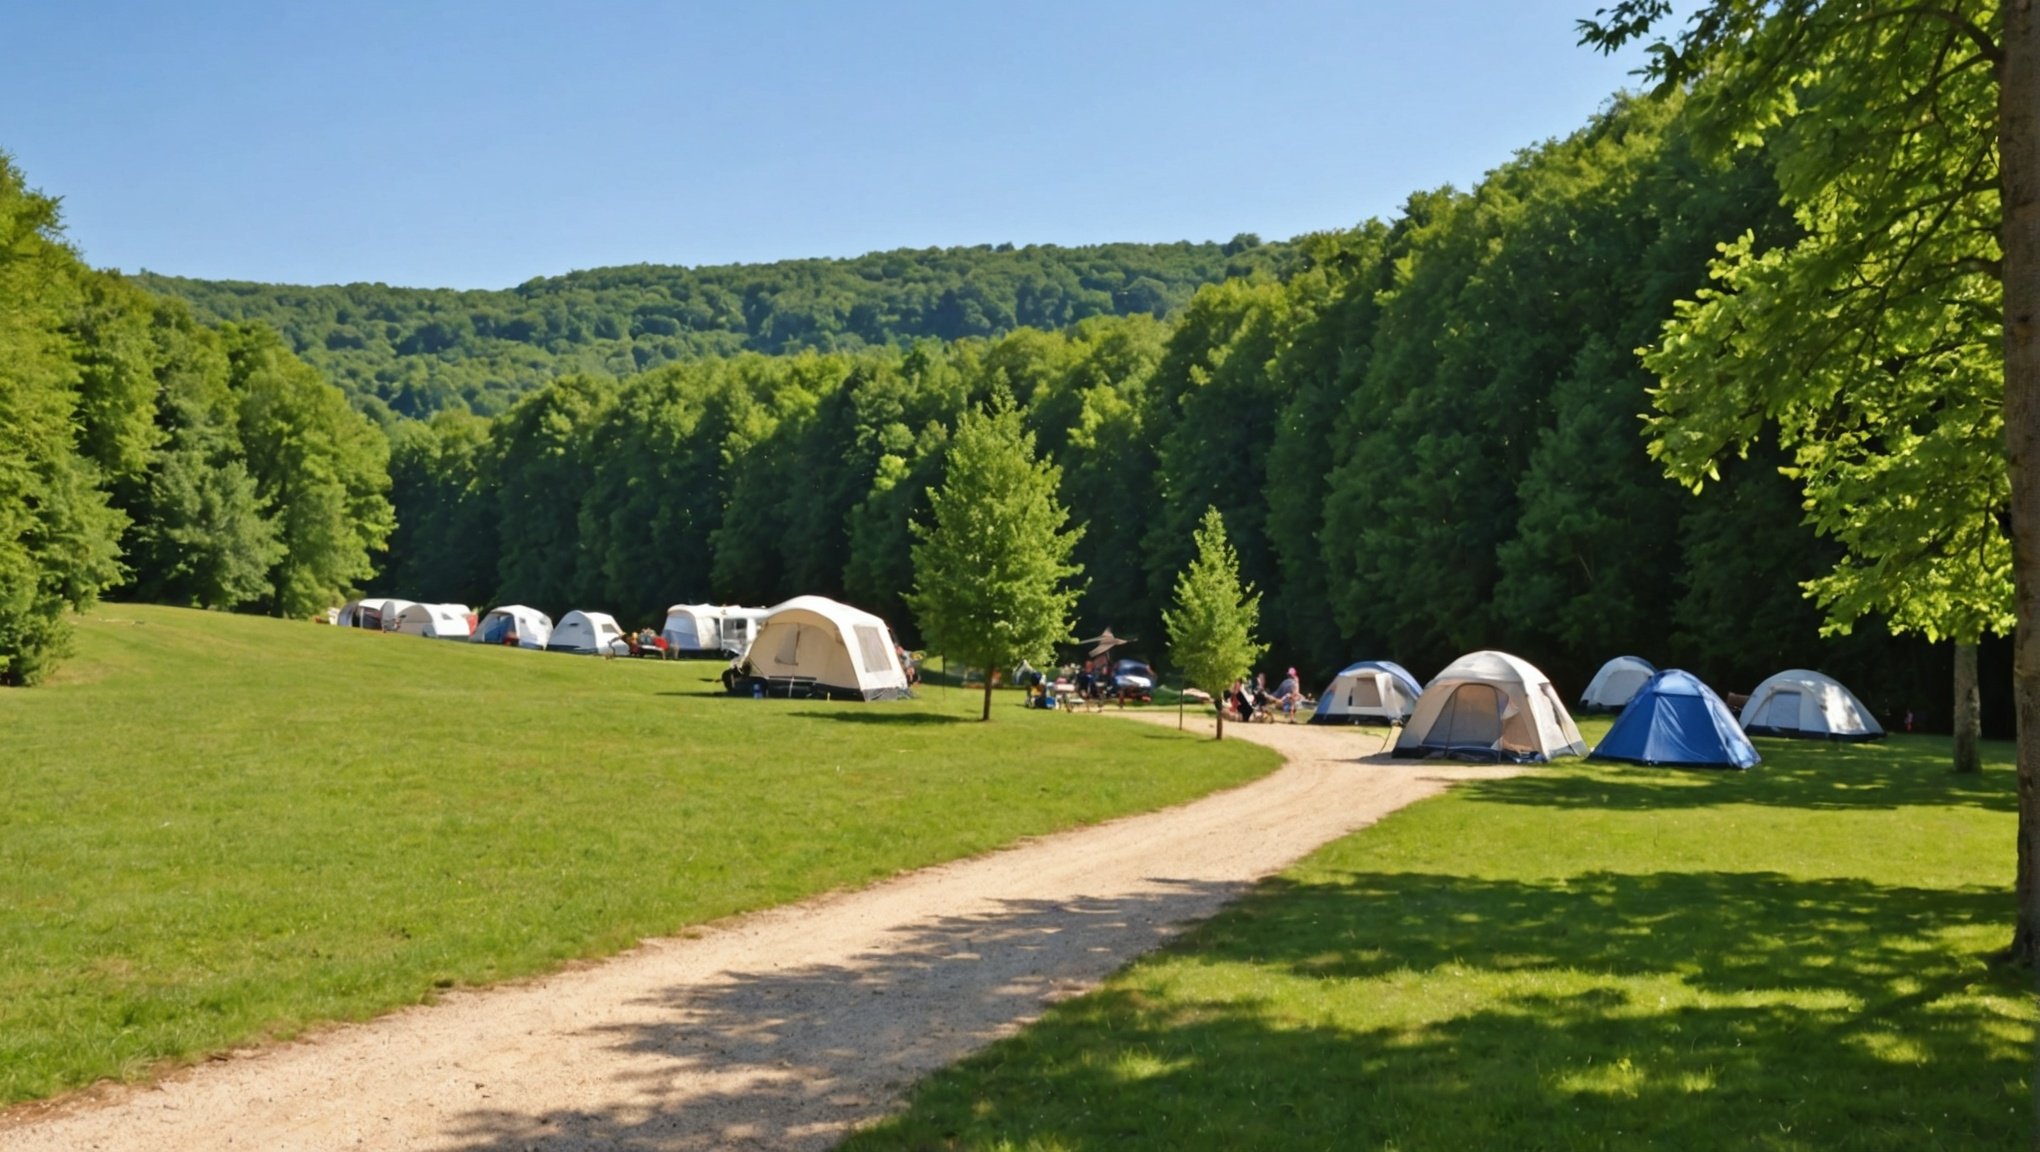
(514, 624)
(1674, 719)
(590, 634)
(1810, 706)
(708, 629)
(1615, 683)
(439, 621)
(375, 613)
(1490, 706)
(1370, 692)
(692, 630)
(814, 647)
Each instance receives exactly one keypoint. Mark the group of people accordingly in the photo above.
(1244, 701)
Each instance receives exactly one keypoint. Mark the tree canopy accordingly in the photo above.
(992, 566)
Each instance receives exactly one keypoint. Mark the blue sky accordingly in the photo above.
(478, 145)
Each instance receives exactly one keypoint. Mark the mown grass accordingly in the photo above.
(218, 829)
(1579, 957)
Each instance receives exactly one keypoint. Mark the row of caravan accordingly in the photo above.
(690, 630)
(1491, 705)
(809, 646)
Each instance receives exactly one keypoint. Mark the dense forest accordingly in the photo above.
(420, 351)
(142, 449)
(1423, 433)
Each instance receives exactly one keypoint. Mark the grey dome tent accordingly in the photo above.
(1490, 706)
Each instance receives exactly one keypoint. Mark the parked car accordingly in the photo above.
(1134, 680)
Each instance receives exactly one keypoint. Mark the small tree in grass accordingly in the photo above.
(1211, 629)
(991, 574)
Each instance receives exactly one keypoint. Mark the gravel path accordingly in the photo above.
(781, 1029)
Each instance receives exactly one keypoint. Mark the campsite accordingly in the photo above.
(1050, 577)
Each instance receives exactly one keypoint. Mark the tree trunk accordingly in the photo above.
(1221, 721)
(1968, 711)
(2019, 179)
(988, 696)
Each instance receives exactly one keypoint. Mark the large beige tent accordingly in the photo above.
(812, 646)
(1490, 706)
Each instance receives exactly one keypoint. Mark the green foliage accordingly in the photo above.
(543, 452)
(320, 468)
(216, 834)
(1874, 341)
(421, 350)
(1211, 627)
(992, 565)
(58, 534)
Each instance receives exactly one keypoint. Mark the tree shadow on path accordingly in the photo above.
(790, 1058)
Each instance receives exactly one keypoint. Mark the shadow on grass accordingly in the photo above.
(787, 1058)
(1794, 774)
(887, 718)
(1434, 1011)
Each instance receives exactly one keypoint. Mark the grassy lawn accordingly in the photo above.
(218, 829)
(1580, 957)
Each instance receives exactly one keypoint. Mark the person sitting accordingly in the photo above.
(1242, 701)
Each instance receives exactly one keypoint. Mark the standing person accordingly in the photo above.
(1289, 694)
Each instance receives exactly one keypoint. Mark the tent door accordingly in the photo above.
(1471, 718)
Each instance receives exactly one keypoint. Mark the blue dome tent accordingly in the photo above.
(1674, 719)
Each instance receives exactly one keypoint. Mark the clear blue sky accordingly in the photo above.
(478, 145)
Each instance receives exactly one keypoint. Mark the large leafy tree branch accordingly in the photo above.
(1878, 343)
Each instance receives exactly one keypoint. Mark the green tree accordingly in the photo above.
(320, 467)
(1877, 343)
(59, 536)
(200, 534)
(992, 569)
(543, 468)
(444, 547)
(1211, 627)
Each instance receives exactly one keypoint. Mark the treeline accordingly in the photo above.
(183, 462)
(1424, 439)
(421, 351)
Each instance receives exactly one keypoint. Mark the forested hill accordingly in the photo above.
(420, 350)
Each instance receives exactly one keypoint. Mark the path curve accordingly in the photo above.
(781, 1029)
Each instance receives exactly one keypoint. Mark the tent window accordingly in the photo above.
(1472, 718)
(1366, 692)
(681, 632)
(871, 649)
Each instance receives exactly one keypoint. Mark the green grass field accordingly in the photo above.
(219, 829)
(1579, 957)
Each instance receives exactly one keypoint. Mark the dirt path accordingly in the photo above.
(777, 1030)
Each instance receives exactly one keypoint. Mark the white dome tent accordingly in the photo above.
(1490, 706)
(1809, 706)
(1616, 684)
(590, 634)
(708, 629)
(811, 646)
(375, 613)
(514, 624)
(1369, 692)
(438, 621)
